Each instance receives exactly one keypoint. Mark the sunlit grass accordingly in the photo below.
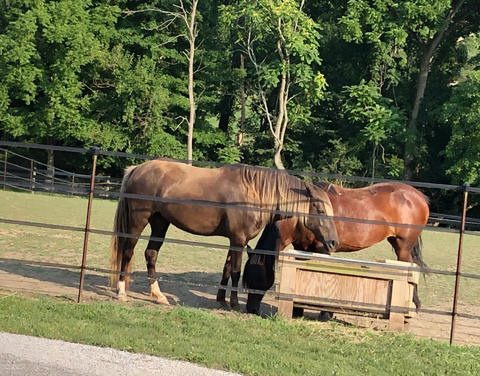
(245, 344)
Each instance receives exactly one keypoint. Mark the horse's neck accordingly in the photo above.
(277, 193)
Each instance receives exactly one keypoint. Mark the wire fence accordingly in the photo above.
(32, 176)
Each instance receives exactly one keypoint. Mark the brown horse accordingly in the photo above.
(232, 201)
(365, 216)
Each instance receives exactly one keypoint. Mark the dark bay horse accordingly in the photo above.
(402, 208)
(233, 201)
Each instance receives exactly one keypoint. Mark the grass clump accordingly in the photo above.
(240, 343)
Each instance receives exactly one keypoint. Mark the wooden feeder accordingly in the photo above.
(324, 283)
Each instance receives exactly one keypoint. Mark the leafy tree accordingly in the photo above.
(406, 41)
(378, 120)
(281, 43)
(462, 114)
(44, 47)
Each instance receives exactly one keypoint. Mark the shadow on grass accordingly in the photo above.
(193, 289)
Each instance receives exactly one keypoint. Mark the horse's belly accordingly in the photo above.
(354, 237)
(195, 219)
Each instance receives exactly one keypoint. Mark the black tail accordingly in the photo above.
(417, 256)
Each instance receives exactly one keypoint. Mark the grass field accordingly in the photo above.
(246, 344)
(223, 340)
(60, 246)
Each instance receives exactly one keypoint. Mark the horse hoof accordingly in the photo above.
(162, 301)
(325, 316)
(223, 304)
(235, 307)
(122, 298)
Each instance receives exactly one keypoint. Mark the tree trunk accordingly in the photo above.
(277, 157)
(50, 173)
(191, 98)
(425, 65)
(282, 120)
(241, 131)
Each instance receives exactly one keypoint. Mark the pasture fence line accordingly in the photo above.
(52, 184)
(195, 244)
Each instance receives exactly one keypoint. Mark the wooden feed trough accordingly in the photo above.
(325, 283)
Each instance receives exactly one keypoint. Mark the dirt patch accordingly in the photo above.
(25, 279)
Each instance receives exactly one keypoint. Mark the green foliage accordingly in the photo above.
(366, 106)
(268, 32)
(44, 50)
(114, 74)
(388, 28)
(280, 43)
(340, 160)
(377, 120)
(462, 114)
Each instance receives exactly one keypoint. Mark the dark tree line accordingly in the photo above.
(381, 89)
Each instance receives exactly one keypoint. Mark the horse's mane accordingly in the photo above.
(275, 190)
(327, 187)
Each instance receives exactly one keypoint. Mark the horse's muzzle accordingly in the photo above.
(331, 245)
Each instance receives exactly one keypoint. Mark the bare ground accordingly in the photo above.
(433, 322)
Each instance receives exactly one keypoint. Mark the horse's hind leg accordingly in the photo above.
(126, 266)
(227, 268)
(403, 249)
(232, 268)
(159, 228)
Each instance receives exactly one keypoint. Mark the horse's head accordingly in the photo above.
(258, 274)
(320, 221)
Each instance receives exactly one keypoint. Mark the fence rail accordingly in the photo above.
(32, 176)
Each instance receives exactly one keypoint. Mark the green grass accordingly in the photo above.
(248, 345)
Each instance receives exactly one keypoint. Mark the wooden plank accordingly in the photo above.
(287, 287)
(342, 287)
(396, 319)
(413, 271)
(371, 269)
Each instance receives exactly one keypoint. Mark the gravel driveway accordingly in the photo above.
(22, 355)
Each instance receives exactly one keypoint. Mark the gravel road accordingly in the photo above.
(23, 355)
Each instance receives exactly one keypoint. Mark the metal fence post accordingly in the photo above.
(94, 151)
(31, 176)
(73, 185)
(5, 170)
(459, 261)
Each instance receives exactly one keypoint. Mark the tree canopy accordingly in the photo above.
(385, 89)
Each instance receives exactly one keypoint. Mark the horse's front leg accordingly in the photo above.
(227, 268)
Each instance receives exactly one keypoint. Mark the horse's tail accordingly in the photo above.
(120, 226)
(417, 256)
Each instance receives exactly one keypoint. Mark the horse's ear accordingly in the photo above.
(311, 190)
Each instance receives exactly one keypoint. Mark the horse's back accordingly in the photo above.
(172, 179)
(394, 202)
